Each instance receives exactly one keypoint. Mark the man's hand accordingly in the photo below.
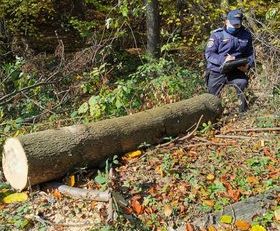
(229, 58)
(244, 68)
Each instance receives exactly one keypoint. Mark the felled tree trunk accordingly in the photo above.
(47, 155)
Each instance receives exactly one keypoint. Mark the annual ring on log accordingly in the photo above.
(15, 163)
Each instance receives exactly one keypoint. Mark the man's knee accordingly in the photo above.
(215, 83)
(240, 83)
(212, 89)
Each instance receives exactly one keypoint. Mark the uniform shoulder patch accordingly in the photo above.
(210, 43)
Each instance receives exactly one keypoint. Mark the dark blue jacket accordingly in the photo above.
(222, 43)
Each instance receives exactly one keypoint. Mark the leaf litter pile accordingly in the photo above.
(167, 186)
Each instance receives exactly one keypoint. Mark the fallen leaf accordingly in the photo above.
(168, 210)
(266, 151)
(93, 204)
(257, 228)
(159, 170)
(71, 181)
(15, 197)
(242, 225)
(179, 153)
(226, 219)
(149, 210)
(189, 227)
(209, 203)
(252, 180)
(137, 207)
(132, 155)
(212, 228)
(57, 194)
(277, 214)
(210, 177)
(127, 210)
(234, 194)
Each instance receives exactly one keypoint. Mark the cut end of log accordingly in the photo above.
(15, 164)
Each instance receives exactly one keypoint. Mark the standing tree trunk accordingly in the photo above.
(153, 27)
(78, 8)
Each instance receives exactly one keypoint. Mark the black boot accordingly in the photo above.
(243, 104)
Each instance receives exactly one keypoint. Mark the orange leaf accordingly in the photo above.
(189, 227)
(234, 194)
(211, 228)
(159, 170)
(210, 177)
(179, 153)
(252, 180)
(168, 210)
(266, 151)
(57, 194)
(132, 155)
(137, 207)
(71, 181)
(209, 203)
(242, 225)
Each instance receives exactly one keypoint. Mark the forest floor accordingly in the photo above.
(156, 188)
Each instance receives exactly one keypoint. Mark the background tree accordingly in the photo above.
(153, 27)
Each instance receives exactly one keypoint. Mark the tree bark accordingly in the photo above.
(153, 27)
(48, 155)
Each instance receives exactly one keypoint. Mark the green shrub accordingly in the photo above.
(154, 83)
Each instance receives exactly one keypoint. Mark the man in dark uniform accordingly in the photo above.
(231, 42)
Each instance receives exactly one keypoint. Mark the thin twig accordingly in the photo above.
(202, 144)
(208, 142)
(2, 100)
(43, 221)
(189, 135)
(255, 130)
(233, 137)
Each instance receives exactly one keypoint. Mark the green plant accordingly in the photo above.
(103, 178)
(92, 79)
(85, 28)
(149, 201)
(258, 164)
(265, 219)
(17, 219)
(167, 164)
(266, 122)
(221, 203)
(215, 188)
(207, 127)
(153, 83)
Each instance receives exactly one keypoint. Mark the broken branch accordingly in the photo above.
(189, 135)
(80, 193)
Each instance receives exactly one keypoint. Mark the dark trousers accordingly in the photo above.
(216, 82)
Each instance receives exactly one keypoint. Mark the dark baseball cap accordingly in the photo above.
(235, 17)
